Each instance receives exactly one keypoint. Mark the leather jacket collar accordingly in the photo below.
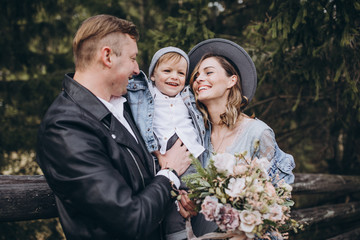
(89, 102)
(86, 99)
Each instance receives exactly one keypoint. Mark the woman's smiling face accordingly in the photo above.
(211, 81)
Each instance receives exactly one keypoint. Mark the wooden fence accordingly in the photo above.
(329, 205)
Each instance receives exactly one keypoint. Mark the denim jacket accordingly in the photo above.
(142, 106)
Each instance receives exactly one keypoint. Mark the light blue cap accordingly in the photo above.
(163, 51)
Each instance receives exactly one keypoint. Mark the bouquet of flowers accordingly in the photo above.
(237, 193)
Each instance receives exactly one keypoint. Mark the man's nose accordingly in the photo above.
(136, 68)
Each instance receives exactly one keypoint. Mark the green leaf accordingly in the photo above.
(219, 192)
(289, 203)
(204, 183)
(204, 194)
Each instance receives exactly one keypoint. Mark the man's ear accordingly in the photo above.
(106, 56)
(152, 78)
(232, 81)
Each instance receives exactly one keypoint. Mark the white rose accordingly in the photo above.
(275, 213)
(257, 186)
(263, 164)
(235, 187)
(288, 187)
(249, 179)
(224, 163)
(285, 186)
(249, 219)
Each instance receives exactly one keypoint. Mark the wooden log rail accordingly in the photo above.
(29, 198)
(25, 198)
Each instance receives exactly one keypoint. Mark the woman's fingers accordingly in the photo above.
(187, 203)
(183, 212)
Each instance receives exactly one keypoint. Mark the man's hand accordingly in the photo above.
(177, 158)
(187, 206)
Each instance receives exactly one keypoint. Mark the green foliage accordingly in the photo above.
(21, 108)
(37, 37)
(185, 30)
(310, 50)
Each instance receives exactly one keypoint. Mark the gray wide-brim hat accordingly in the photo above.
(233, 52)
(163, 51)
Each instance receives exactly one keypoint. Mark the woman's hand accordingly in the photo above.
(239, 237)
(187, 206)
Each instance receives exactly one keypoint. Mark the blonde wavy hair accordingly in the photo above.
(236, 103)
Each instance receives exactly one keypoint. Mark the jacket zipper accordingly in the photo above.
(154, 166)
(137, 165)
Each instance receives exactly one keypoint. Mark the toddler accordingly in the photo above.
(164, 110)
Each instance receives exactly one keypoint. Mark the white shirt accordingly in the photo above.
(172, 116)
(116, 107)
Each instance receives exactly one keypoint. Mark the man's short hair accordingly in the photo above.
(101, 28)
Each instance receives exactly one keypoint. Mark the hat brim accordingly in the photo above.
(235, 53)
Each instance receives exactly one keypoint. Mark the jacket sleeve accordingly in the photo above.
(74, 159)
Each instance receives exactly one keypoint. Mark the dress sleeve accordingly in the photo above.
(267, 145)
(281, 163)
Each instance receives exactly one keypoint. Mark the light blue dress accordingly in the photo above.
(251, 130)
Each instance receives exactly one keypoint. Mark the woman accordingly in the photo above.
(224, 82)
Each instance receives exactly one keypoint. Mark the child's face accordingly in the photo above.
(170, 76)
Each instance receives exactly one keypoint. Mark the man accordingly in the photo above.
(90, 151)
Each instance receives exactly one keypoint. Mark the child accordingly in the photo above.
(164, 109)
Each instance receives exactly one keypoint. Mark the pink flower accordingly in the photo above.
(224, 163)
(235, 187)
(270, 189)
(208, 207)
(249, 219)
(240, 169)
(275, 213)
(227, 218)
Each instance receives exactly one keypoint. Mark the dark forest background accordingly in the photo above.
(306, 53)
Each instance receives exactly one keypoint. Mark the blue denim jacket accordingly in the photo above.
(142, 106)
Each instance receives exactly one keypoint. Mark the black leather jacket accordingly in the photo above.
(104, 182)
